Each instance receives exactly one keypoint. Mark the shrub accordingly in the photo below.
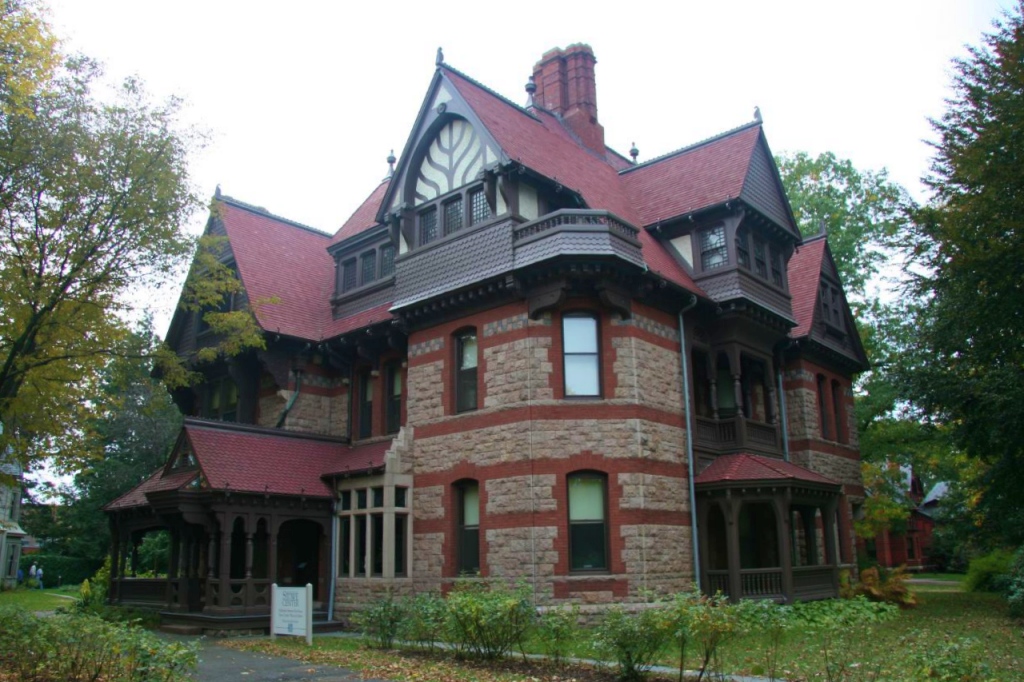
(76, 647)
(1015, 585)
(62, 570)
(633, 638)
(379, 622)
(557, 629)
(772, 621)
(423, 623)
(890, 588)
(983, 575)
(488, 619)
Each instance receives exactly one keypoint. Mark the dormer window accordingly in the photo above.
(760, 258)
(452, 216)
(742, 251)
(831, 308)
(713, 253)
(368, 267)
(387, 261)
(478, 207)
(777, 266)
(428, 226)
(349, 275)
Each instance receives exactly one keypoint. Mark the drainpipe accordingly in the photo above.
(291, 401)
(689, 439)
(334, 551)
(783, 421)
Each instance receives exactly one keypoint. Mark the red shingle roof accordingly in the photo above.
(698, 177)
(804, 275)
(744, 467)
(362, 458)
(282, 260)
(543, 144)
(365, 216)
(136, 497)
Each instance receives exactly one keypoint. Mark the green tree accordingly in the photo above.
(967, 365)
(862, 211)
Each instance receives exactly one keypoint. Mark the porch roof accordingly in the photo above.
(361, 458)
(749, 468)
(158, 480)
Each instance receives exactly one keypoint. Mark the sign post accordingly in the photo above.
(291, 611)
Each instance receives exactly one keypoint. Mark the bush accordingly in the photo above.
(890, 588)
(76, 648)
(985, 572)
(557, 629)
(424, 620)
(633, 638)
(949, 660)
(487, 620)
(379, 622)
(1015, 585)
(60, 570)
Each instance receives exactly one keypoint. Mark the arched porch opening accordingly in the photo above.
(300, 546)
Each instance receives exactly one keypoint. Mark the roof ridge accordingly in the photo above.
(215, 425)
(472, 81)
(252, 208)
(693, 146)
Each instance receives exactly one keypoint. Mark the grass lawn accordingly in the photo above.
(39, 600)
(878, 652)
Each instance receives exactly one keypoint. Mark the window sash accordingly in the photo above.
(452, 216)
(368, 267)
(428, 226)
(713, 252)
(387, 261)
(479, 209)
(581, 359)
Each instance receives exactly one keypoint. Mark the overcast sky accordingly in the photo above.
(304, 100)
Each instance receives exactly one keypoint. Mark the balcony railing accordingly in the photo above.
(736, 432)
(755, 583)
(574, 218)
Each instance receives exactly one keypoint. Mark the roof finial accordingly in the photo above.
(439, 60)
(531, 88)
(391, 164)
(757, 114)
(216, 192)
(634, 152)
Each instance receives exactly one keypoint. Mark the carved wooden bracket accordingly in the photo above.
(545, 298)
(616, 298)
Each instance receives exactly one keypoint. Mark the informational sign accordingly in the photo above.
(291, 611)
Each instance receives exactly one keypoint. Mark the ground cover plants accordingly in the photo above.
(950, 635)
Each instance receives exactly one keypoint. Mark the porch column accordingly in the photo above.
(732, 517)
(737, 380)
(224, 561)
(828, 515)
(211, 553)
(846, 553)
(714, 399)
(248, 555)
(272, 529)
(781, 507)
(135, 557)
(772, 404)
(114, 590)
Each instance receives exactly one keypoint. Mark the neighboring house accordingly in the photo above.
(11, 534)
(524, 356)
(909, 546)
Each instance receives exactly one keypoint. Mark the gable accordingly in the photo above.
(447, 148)
(763, 190)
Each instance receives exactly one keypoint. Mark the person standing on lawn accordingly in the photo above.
(32, 571)
(39, 577)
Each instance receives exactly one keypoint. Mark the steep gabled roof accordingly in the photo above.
(282, 261)
(365, 216)
(749, 468)
(158, 481)
(804, 276)
(538, 140)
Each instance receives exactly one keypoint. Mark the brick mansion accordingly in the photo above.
(524, 356)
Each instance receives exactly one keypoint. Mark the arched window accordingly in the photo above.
(580, 355)
(823, 416)
(588, 527)
(467, 497)
(466, 360)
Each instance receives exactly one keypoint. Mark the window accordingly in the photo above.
(368, 267)
(387, 261)
(349, 276)
(760, 258)
(713, 253)
(588, 532)
(823, 408)
(465, 371)
(826, 298)
(468, 530)
(742, 250)
(393, 377)
(777, 266)
(365, 515)
(580, 355)
(365, 404)
(835, 306)
(479, 209)
(428, 226)
(221, 400)
(452, 216)
(838, 412)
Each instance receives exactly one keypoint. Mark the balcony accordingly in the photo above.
(737, 433)
(576, 232)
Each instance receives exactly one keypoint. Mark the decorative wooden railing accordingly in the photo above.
(755, 583)
(725, 434)
(576, 218)
(811, 582)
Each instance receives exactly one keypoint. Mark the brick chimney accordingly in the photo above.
(565, 86)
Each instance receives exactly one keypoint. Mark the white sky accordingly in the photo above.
(305, 99)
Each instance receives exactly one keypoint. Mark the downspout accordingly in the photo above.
(784, 426)
(687, 410)
(291, 401)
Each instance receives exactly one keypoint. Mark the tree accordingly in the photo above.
(862, 211)
(93, 199)
(967, 365)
